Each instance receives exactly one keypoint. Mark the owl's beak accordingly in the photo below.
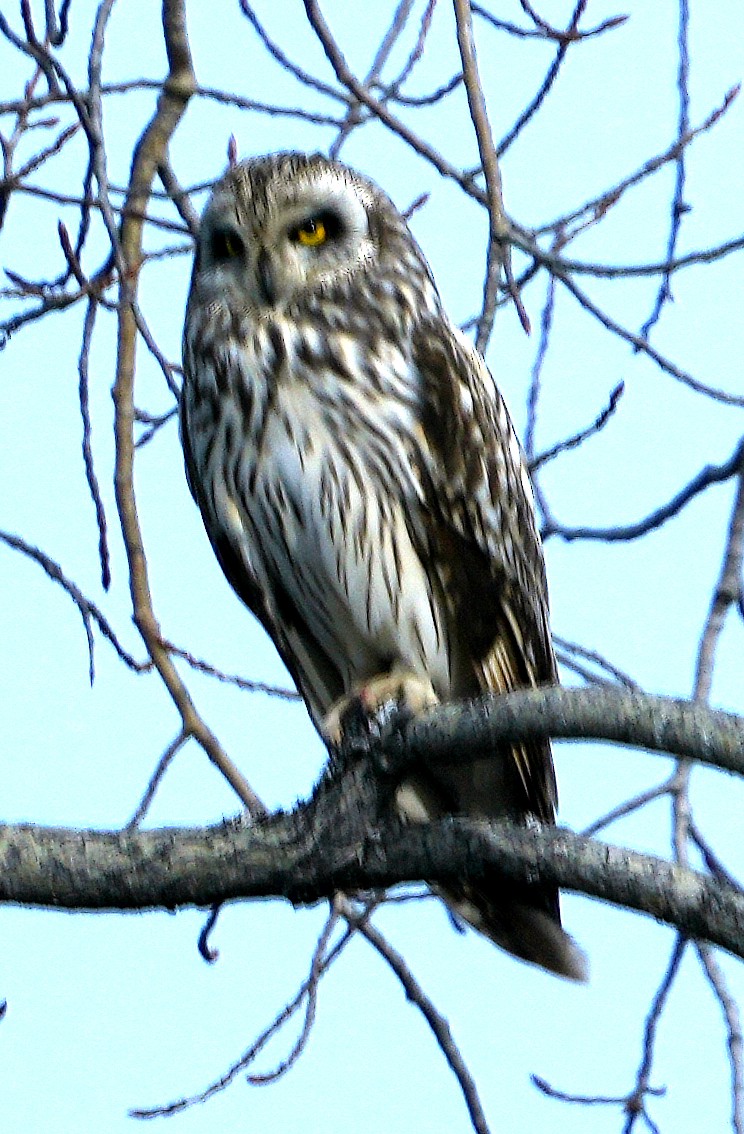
(266, 282)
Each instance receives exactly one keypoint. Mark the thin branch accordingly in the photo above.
(439, 1026)
(641, 345)
(317, 968)
(284, 61)
(498, 256)
(732, 1020)
(725, 595)
(598, 659)
(255, 1048)
(709, 475)
(90, 472)
(155, 780)
(533, 394)
(628, 807)
(353, 116)
(543, 30)
(579, 438)
(233, 679)
(710, 858)
(348, 79)
(610, 196)
(89, 612)
(636, 1102)
(565, 39)
(679, 208)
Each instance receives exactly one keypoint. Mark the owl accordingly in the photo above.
(366, 495)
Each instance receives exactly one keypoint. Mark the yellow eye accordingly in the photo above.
(311, 233)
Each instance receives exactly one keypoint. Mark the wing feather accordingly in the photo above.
(483, 539)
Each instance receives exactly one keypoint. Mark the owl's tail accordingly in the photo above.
(528, 931)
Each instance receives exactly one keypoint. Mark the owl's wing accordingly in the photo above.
(481, 538)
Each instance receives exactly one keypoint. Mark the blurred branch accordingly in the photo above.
(232, 679)
(578, 438)
(543, 30)
(155, 780)
(565, 39)
(601, 203)
(90, 472)
(726, 592)
(276, 52)
(353, 116)
(732, 1021)
(499, 250)
(635, 1104)
(642, 345)
(679, 208)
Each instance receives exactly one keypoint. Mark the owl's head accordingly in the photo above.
(286, 224)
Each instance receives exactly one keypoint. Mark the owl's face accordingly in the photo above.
(281, 225)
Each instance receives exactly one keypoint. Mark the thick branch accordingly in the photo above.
(344, 838)
(641, 720)
(312, 853)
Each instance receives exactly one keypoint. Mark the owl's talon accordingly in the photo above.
(378, 710)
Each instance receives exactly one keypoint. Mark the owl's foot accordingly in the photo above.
(378, 705)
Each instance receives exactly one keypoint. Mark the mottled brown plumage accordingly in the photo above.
(365, 492)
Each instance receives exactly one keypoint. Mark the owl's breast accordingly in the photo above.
(303, 447)
(322, 492)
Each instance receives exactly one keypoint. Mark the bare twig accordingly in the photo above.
(317, 968)
(258, 1044)
(726, 592)
(232, 679)
(709, 475)
(635, 1105)
(543, 30)
(89, 612)
(635, 803)
(155, 780)
(679, 208)
(565, 39)
(437, 1023)
(732, 1020)
(90, 472)
(498, 257)
(578, 438)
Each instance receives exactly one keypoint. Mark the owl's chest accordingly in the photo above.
(319, 494)
(317, 408)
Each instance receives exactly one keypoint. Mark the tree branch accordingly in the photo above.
(309, 854)
(345, 838)
(641, 720)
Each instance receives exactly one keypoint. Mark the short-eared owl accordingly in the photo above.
(364, 490)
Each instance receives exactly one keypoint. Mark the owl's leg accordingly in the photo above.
(381, 700)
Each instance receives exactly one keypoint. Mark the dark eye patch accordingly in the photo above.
(226, 244)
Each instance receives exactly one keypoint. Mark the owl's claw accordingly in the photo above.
(378, 706)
